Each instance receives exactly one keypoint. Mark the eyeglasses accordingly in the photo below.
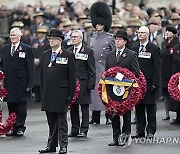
(142, 32)
(75, 36)
(13, 35)
(53, 38)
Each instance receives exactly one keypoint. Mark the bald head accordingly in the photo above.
(143, 34)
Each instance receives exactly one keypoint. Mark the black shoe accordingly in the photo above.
(20, 133)
(149, 136)
(48, 149)
(114, 143)
(72, 134)
(94, 122)
(91, 122)
(63, 150)
(138, 135)
(108, 122)
(175, 122)
(11, 133)
(166, 118)
(82, 134)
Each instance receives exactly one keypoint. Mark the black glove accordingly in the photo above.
(154, 88)
(69, 99)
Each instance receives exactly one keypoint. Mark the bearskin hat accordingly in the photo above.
(101, 14)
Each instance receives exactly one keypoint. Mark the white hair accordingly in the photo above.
(79, 32)
(144, 28)
(17, 31)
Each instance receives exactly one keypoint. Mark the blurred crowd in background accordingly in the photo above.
(69, 15)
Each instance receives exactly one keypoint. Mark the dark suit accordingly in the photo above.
(58, 87)
(19, 74)
(38, 48)
(86, 73)
(151, 70)
(128, 59)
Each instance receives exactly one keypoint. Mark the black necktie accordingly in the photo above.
(118, 54)
(13, 50)
(142, 48)
(75, 50)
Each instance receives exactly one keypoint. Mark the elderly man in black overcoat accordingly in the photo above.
(149, 62)
(58, 80)
(86, 73)
(18, 67)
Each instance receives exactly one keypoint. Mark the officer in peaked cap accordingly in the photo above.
(176, 22)
(67, 30)
(101, 42)
(39, 20)
(18, 24)
(118, 25)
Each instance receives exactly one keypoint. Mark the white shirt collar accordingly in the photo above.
(120, 50)
(143, 44)
(78, 47)
(57, 51)
(17, 44)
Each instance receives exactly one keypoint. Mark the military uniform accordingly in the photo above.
(101, 43)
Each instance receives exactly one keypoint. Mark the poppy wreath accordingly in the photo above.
(131, 96)
(77, 93)
(11, 120)
(173, 88)
(141, 80)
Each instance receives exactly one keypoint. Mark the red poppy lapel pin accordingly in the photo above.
(20, 48)
(82, 49)
(171, 50)
(124, 55)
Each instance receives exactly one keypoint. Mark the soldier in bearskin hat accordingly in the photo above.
(101, 42)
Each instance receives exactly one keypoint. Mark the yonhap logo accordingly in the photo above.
(158, 140)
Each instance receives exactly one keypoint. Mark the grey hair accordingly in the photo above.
(145, 28)
(17, 31)
(79, 32)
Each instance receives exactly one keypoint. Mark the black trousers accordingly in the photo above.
(116, 125)
(75, 118)
(20, 108)
(37, 94)
(148, 123)
(58, 129)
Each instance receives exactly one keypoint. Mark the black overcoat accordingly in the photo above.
(58, 82)
(86, 73)
(151, 70)
(18, 71)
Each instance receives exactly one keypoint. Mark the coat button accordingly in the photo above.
(100, 61)
(106, 42)
(101, 55)
(104, 48)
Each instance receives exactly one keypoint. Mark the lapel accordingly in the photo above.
(148, 47)
(113, 56)
(123, 56)
(9, 50)
(82, 49)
